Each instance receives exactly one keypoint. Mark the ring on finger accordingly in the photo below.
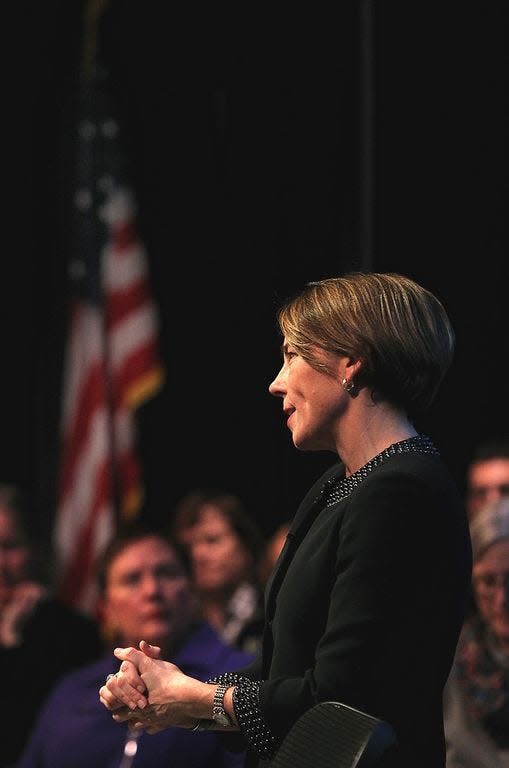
(112, 674)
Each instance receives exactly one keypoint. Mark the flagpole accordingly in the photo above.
(367, 155)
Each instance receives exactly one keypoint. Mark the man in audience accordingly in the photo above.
(487, 475)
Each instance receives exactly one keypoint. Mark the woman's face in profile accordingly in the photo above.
(313, 399)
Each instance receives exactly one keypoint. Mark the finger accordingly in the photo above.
(154, 651)
(121, 715)
(110, 701)
(135, 719)
(121, 689)
(115, 706)
(129, 654)
(132, 676)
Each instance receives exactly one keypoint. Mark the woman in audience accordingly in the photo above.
(477, 692)
(144, 592)
(224, 545)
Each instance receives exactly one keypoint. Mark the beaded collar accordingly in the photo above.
(336, 488)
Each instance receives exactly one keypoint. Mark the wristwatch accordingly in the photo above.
(219, 715)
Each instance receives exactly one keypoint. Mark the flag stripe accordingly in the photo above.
(112, 362)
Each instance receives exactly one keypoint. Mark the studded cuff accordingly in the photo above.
(246, 705)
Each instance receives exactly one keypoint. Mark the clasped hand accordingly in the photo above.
(153, 694)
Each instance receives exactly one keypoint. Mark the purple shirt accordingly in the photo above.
(74, 730)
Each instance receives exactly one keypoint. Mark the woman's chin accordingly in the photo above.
(302, 442)
(307, 443)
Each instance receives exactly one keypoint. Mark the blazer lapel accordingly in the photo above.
(306, 513)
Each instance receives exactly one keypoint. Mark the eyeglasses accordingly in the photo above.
(487, 584)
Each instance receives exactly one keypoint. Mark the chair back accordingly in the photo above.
(334, 735)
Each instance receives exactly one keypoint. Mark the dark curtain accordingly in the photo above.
(254, 172)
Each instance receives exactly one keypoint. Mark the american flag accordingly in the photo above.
(112, 363)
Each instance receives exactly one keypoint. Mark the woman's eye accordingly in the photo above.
(131, 579)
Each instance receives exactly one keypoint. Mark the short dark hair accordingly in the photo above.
(126, 535)
(491, 448)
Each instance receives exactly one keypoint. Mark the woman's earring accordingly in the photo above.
(347, 385)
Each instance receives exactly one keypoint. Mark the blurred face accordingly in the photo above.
(487, 481)
(312, 401)
(490, 576)
(14, 556)
(219, 558)
(147, 594)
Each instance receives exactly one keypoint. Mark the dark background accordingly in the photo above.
(266, 152)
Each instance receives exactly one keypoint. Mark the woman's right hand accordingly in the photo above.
(125, 691)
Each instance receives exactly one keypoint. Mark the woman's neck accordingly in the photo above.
(370, 431)
(214, 605)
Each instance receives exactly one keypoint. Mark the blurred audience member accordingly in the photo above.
(40, 638)
(487, 475)
(144, 593)
(224, 545)
(477, 693)
(271, 551)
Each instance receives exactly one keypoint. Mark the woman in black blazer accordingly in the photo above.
(367, 599)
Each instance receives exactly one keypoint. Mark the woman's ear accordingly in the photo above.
(353, 368)
(350, 378)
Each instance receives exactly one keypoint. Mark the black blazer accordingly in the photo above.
(366, 603)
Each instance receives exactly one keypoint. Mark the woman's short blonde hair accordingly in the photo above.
(398, 329)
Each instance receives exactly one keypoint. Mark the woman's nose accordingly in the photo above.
(276, 386)
(151, 583)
